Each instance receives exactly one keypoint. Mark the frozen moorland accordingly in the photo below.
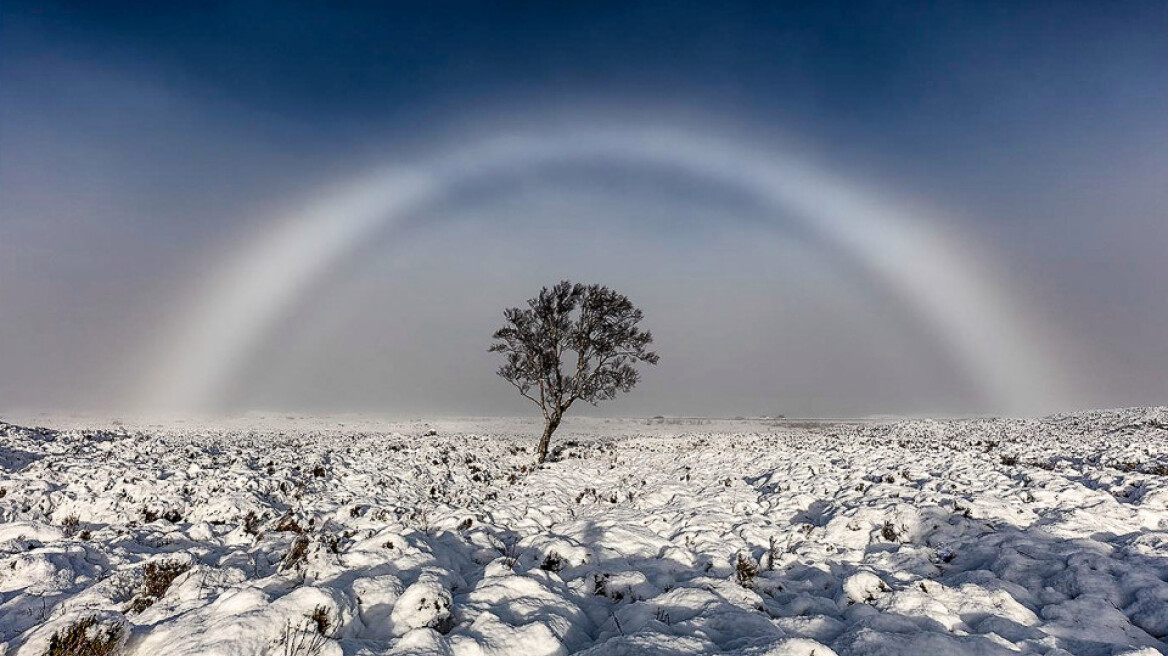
(351, 536)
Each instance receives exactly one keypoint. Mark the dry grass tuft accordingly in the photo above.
(297, 553)
(553, 562)
(70, 524)
(889, 532)
(309, 638)
(156, 580)
(320, 619)
(86, 638)
(745, 569)
(288, 524)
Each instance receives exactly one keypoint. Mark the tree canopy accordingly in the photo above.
(572, 342)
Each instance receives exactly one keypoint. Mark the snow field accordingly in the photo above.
(662, 537)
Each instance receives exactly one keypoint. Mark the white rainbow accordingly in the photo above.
(978, 322)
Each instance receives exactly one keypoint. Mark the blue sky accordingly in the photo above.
(136, 141)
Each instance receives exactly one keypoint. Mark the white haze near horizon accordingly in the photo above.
(749, 317)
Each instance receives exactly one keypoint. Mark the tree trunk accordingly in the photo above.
(550, 427)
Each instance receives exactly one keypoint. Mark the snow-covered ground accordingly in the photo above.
(354, 536)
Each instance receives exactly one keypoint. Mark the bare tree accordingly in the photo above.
(589, 328)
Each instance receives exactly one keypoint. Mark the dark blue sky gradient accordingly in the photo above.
(973, 88)
(1005, 66)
